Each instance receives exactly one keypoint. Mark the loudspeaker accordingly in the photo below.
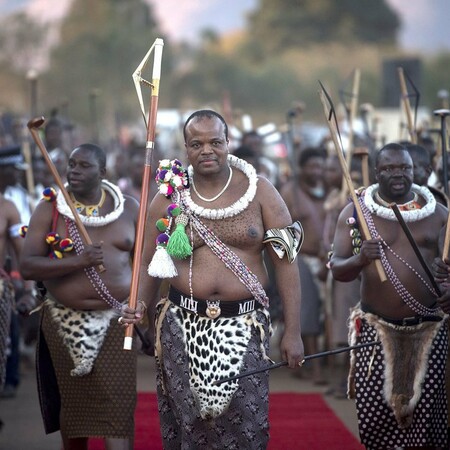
(391, 92)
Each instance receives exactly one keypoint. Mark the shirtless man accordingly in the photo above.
(215, 322)
(9, 238)
(305, 198)
(90, 375)
(400, 385)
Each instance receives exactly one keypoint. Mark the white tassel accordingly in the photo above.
(161, 265)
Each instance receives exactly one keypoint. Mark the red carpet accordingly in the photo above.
(297, 422)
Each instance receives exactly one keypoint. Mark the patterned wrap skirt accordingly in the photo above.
(377, 423)
(98, 404)
(195, 351)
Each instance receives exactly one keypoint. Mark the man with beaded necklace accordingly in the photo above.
(87, 384)
(214, 321)
(399, 385)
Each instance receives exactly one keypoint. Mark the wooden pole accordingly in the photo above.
(361, 220)
(150, 145)
(407, 106)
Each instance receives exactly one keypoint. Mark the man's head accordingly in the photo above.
(206, 142)
(394, 172)
(247, 154)
(53, 133)
(202, 114)
(11, 162)
(86, 168)
(311, 162)
(333, 172)
(253, 140)
(421, 162)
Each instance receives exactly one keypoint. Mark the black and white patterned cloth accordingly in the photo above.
(184, 382)
(378, 427)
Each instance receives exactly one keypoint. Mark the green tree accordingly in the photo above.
(283, 24)
(101, 44)
(21, 42)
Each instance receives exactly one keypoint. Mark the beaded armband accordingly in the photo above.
(355, 235)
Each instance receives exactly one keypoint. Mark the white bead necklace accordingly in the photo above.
(219, 194)
(230, 211)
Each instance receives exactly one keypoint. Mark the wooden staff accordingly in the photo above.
(33, 126)
(352, 114)
(334, 134)
(351, 118)
(407, 106)
(157, 48)
(285, 363)
(26, 152)
(414, 246)
(363, 152)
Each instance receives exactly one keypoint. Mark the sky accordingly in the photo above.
(425, 22)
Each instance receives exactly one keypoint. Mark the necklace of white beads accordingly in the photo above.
(232, 210)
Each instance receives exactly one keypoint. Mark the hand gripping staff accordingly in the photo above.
(33, 126)
(157, 49)
(329, 111)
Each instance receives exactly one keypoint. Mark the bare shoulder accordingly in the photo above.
(274, 210)
(347, 211)
(10, 211)
(159, 204)
(131, 205)
(441, 210)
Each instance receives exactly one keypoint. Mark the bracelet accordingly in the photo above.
(143, 304)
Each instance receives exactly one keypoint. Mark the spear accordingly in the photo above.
(157, 49)
(334, 131)
(406, 104)
(285, 363)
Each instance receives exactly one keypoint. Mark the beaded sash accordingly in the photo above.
(91, 273)
(399, 287)
(230, 259)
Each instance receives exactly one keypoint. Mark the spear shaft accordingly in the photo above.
(285, 363)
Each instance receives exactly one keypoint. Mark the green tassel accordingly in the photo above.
(179, 245)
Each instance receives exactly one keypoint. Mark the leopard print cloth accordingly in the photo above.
(196, 351)
(82, 332)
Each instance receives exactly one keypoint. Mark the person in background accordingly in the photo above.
(11, 300)
(11, 167)
(423, 170)
(340, 297)
(305, 196)
(266, 166)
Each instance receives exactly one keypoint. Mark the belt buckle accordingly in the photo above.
(213, 308)
(410, 321)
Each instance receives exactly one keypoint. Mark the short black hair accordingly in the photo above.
(97, 151)
(311, 152)
(209, 113)
(418, 152)
(390, 146)
(244, 152)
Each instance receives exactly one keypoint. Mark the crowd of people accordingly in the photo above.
(233, 248)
